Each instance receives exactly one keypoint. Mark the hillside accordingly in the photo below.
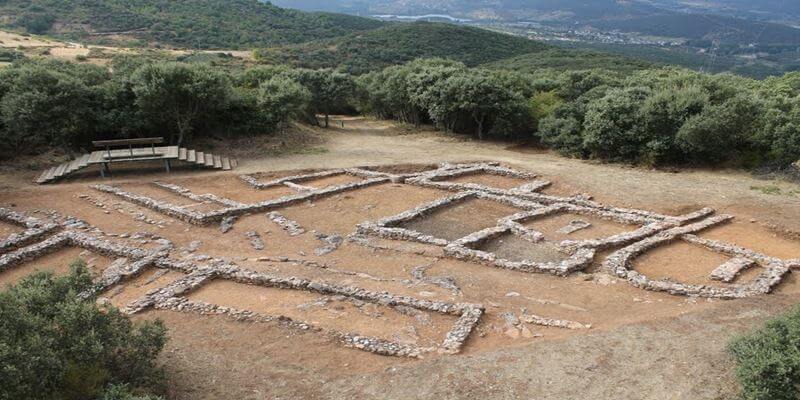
(706, 27)
(712, 62)
(395, 44)
(182, 23)
(569, 59)
(782, 11)
(665, 18)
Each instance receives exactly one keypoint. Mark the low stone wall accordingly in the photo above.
(137, 260)
(35, 230)
(172, 297)
(198, 218)
(200, 198)
(579, 253)
(619, 264)
(555, 323)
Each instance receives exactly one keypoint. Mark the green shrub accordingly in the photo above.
(56, 345)
(769, 359)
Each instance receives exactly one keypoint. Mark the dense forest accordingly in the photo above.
(197, 24)
(652, 116)
(582, 103)
(396, 44)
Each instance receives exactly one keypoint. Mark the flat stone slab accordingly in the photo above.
(728, 271)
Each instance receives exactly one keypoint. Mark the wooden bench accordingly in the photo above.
(137, 150)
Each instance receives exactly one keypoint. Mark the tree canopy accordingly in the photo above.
(55, 344)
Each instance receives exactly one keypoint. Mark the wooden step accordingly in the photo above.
(217, 162)
(46, 176)
(182, 154)
(83, 161)
(191, 156)
(201, 159)
(73, 166)
(209, 160)
(60, 170)
(70, 167)
(226, 164)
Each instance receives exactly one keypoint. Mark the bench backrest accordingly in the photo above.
(128, 142)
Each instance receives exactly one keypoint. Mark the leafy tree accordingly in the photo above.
(330, 90)
(181, 96)
(253, 77)
(36, 23)
(542, 105)
(612, 126)
(283, 98)
(477, 95)
(40, 106)
(721, 131)
(768, 359)
(662, 115)
(780, 134)
(55, 344)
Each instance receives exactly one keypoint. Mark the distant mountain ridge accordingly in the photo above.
(651, 17)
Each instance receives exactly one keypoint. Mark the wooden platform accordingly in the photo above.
(164, 153)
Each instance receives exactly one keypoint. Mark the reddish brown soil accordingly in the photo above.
(490, 180)
(458, 220)
(327, 181)
(7, 229)
(367, 204)
(682, 261)
(340, 315)
(756, 237)
(514, 248)
(57, 263)
(124, 293)
(641, 345)
(222, 186)
(600, 228)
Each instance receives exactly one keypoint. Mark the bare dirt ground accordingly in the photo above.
(34, 45)
(642, 345)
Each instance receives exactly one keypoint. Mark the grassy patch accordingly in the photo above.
(767, 189)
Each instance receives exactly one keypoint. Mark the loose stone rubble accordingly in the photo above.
(255, 240)
(444, 282)
(556, 323)
(35, 230)
(227, 223)
(574, 226)
(291, 227)
(332, 242)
